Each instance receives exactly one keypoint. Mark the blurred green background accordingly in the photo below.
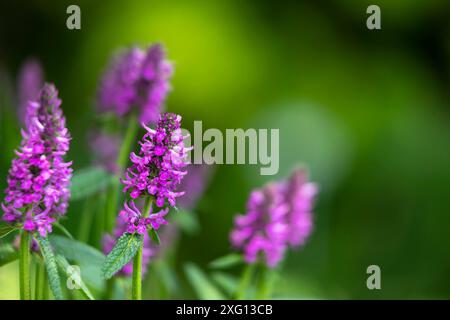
(366, 111)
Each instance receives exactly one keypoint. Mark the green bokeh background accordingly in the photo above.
(366, 111)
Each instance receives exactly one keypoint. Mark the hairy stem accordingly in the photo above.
(24, 266)
(136, 287)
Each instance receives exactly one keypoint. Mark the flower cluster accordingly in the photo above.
(38, 181)
(148, 250)
(156, 171)
(278, 215)
(136, 79)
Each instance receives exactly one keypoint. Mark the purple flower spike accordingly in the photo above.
(30, 82)
(299, 195)
(38, 181)
(279, 215)
(156, 171)
(263, 229)
(136, 79)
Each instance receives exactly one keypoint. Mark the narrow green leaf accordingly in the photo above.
(226, 281)
(50, 265)
(88, 181)
(65, 268)
(124, 250)
(154, 236)
(6, 229)
(227, 261)
(7, 254)
(202, 286)
(63, 229)
(88, 258)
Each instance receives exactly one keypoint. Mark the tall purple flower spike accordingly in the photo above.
(278, 216)
(38, 181)
(30, 82)
(156, 171)
(136, 80)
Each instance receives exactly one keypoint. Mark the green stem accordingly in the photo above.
(109, 292)
(86, 220)
(245, 281)
(39, 279)
(122, 160)
(24, 266)
(136, 287)
(265, 284)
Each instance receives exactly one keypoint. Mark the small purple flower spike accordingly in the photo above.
(299, 194)
(278, 216)
(136, 79)
(263, 229)
(38, 181)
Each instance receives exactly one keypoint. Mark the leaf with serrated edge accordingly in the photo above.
(64, 267)
(88, 258)
(124, 250)
(50, 265)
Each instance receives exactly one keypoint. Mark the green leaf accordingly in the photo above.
(65, 268)
(88, 181)
(168, 276)
(50, 264)
(7, 254)
(63, 229)
(124, 250)
(88, 258)
(202, 286)
(187, 221)
(227, 261)
(154, 236)
(226, 281)
(6, 229)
